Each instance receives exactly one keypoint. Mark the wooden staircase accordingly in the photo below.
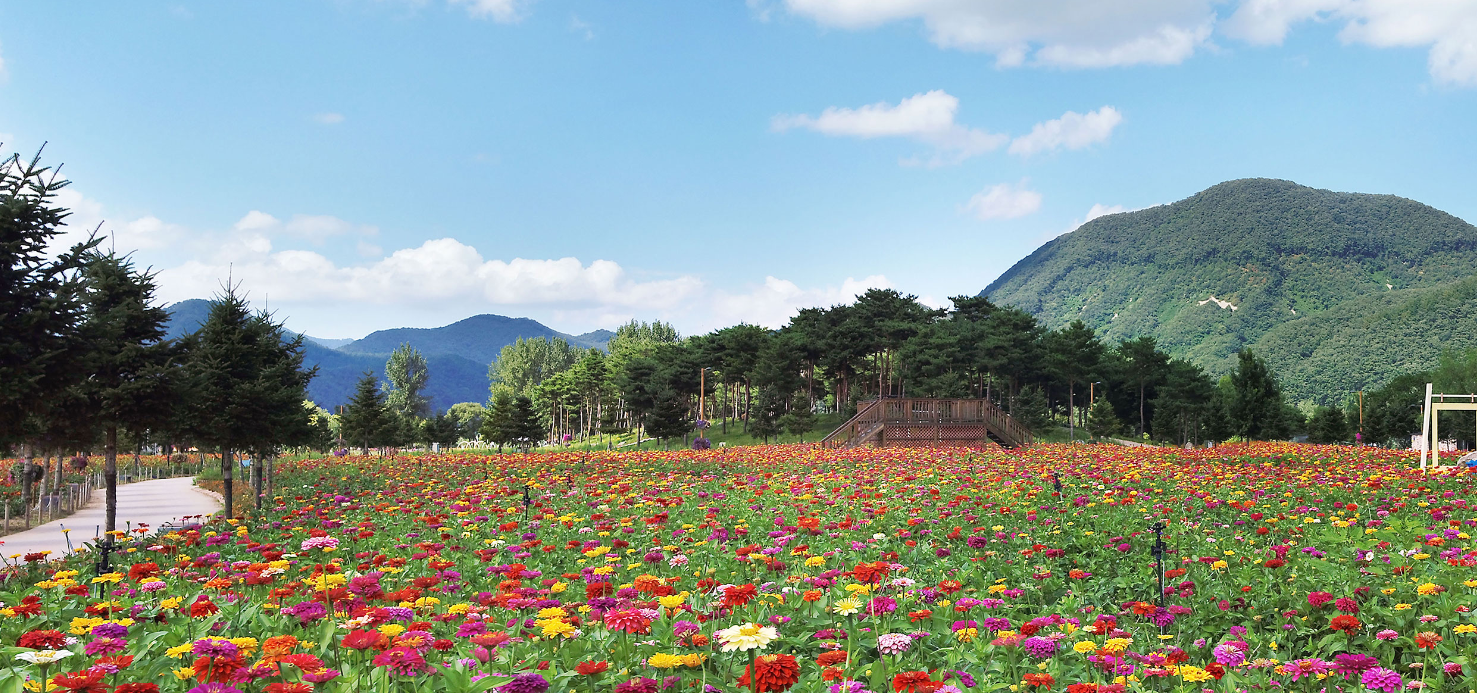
(928, 423)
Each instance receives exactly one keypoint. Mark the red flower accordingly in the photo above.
(137, 688)
(362, 639)
(590, 668)
(203, 607)
(89, 681)
(739, 595)
(139, 571)
(1039, 680)
(43, 640)
(288, 688)
(774, 672)
(1345, 623)
(912, 682)
(1082, 688)
(1216, 669)
(1427, 640)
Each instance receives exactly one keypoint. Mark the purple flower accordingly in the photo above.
(105, 646)
(109, 630)
(1381, 679)
(1229, 655)
(525, 683)
(306, 612)
(1346, 664)
(214, 647)
(215, 688)
(1039, 647)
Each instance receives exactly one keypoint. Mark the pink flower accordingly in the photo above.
(1387, 634)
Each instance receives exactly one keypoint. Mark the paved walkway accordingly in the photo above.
(151, 503)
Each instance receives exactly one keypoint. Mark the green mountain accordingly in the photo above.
(1340, 291)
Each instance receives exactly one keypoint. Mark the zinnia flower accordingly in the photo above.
(748, 636)
(773, 672)
(1382, 679)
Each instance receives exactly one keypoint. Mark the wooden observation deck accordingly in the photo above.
(928, 423)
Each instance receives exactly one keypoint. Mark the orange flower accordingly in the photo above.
(773, 672)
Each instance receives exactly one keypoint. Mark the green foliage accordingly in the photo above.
(1338, 292)
(468, 417)
(1255, 409)
(497, 424)
(1031, 409)
(366, 420)
(799, 420)
(523, 365)
(1328, 425)
(1102, 422)
(40, 299)
(407, 374)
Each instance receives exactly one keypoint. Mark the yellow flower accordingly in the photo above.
(672, 601)
(551, 612)
(694, 660)
(997, 589)
(1387, 591)
(1470, 583)
(555, 628)
(1427, 589)
(1465, 628)
(966, 634)
(179, 651)
(662, 660)
(81, 625)
(1194, 674)
(1117, 644)
(108, 577)
(392, 629)
(35, 685)
(848, 606)
(558, 587)
(246, 645)
(1084, 647)
(815, 561)
(184, 673)
(458, 609)
(1402, 606)
(1218, 565)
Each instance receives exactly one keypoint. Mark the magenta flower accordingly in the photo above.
(1382, 679)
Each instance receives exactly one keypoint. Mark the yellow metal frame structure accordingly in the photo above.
(1430, 424)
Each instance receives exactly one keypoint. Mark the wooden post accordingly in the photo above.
(1426, 427)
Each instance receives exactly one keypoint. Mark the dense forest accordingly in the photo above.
(1340, 291)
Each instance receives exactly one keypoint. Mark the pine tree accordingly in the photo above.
(1255, 406)
(132, 375)
(366, 420)
(40, 302)
(1102, 422)
(523, 425)
(245, 385)
(496, 425)
(764, 418)
(800, 419)
(668, 418)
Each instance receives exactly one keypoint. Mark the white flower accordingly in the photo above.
(879, 536)
(44, 657)
(748, 636)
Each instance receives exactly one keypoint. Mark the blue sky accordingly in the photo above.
(365, 164)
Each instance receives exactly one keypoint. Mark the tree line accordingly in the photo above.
(85, 363)
(659, 384)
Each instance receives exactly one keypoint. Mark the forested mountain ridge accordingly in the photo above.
(1276, 256)
(457, 354)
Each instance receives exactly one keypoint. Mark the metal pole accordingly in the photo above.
(1426, 427)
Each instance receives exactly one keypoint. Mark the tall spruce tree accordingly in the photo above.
(246, 384)
(40, 307)
(523, 426)
(496, 428)
(130, 365)
(1255, 406)
(366, 420)
(406, 373)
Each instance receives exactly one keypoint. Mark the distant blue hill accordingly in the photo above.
(457, 354)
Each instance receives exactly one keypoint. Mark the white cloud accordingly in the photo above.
(328, 118)
(1064, 33)
(1447, 27)
(1071, 131)
(927, 118)
(1004, 201)
(579, 26)
(773, 304)
(443, 269)
(498, 10)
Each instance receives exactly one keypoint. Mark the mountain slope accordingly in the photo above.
(478, 338)
(452, 378)
(1274, 255)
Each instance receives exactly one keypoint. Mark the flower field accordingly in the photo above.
(786, 568)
